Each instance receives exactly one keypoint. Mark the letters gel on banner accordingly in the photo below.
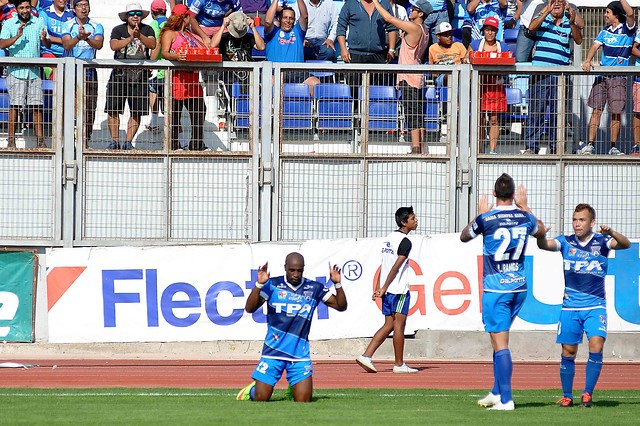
(17, 271)
(135, 294)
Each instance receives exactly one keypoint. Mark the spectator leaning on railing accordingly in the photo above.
(22, 36)
(553, 30)
(130, 40)
(81, 38)
(186, 89)
(285, 43)
(493, 98)
(616, 40)
(55, 16)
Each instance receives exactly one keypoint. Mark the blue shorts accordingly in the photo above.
(396, 303)
(573, 324)
(270, 370)
(500, 309)
(156, 86)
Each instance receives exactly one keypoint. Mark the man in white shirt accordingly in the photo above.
(319, 42)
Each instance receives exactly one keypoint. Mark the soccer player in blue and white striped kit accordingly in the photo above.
(291, 301)
(505, 230)
(584, 308)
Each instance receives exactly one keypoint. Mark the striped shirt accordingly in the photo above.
(553, 42)
(616, 44)
(55, 23)
(27, 46)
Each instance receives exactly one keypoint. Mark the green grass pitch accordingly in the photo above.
(396, 407)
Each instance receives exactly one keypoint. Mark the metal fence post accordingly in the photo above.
(70, 168)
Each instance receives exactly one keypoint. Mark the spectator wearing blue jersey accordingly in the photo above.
(554, 31)
(209, 16)
(439, 14)
(55, 17)
(479, 10)
(616, 40)
(81, 38)
(291, 301)
(505, 230)
(393, 288)
(584, 306)
(22, 36)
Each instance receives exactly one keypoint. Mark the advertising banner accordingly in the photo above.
(17, 273)
(198, 293)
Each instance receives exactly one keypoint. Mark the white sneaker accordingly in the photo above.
(366, 363)
(404, 368)
(615, 151)
(507, 406)
(585, 149)
(489, 400)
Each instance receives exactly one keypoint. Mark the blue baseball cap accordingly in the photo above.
(423, 5)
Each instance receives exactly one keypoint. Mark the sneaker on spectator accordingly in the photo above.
(153, 128)
(493, 153)
(127, 146)
(404, 368)
(635, 150)
(585, 149)
(114, 145)
(615, 151)
(527, 151)
(366, 363)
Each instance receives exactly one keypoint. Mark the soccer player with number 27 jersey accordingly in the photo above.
(505, 230)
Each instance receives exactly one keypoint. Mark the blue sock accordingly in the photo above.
(252, 393)
(567, 373)
(504, 368)
(594, 366)
(496, 385)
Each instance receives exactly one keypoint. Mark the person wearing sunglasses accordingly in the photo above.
(130, 40)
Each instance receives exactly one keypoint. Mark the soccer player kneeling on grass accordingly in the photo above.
(291, 302)
(584, 307)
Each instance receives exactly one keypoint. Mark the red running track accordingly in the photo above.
(327, 374)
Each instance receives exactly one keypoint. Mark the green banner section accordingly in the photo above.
(16, 295)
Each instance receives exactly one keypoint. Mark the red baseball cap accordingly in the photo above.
(492, 21)
(180, 9)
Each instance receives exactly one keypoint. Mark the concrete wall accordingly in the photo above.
(430, 344)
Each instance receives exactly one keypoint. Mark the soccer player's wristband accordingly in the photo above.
(337, 285)
(258, 285)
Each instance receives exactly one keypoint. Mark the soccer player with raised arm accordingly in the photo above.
(584, 307)
(505, 230)
(291, 301)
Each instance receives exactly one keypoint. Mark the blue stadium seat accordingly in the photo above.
(430, 109)
(334, 105)
(297, 106)
(383, 108)
(324, 76)
(241, 108)
(510, 35)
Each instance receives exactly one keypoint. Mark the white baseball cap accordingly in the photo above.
(444, 27)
